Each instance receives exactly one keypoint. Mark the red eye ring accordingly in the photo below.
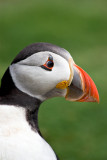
(49, 64)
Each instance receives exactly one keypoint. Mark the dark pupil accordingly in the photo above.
(50, 64)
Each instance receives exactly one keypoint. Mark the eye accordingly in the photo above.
(49, 64)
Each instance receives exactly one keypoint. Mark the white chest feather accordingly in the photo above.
(17, 140)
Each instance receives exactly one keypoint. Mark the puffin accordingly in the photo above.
(39, 72)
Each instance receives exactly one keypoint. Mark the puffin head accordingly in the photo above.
(43, 71)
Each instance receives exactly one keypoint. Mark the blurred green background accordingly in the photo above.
(76, 131)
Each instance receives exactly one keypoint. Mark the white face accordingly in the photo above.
(31, 78)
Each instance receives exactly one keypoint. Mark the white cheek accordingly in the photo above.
(37, 81)
(29, 79)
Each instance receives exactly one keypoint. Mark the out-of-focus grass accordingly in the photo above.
(76, 131)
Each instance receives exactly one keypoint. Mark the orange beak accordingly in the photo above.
(82, 87)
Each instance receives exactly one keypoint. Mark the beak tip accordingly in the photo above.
(95, 93)
(97, 99)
